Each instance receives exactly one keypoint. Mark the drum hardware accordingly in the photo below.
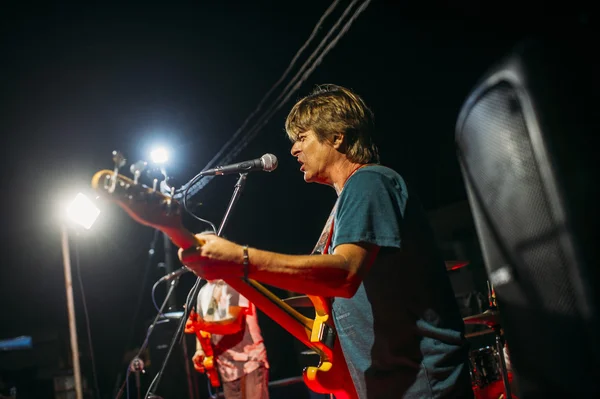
(478, 333)
(484, 366)
(491, 319)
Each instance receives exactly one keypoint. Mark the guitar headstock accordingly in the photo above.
(144, 204)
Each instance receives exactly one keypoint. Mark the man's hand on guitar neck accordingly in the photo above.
(226, 256)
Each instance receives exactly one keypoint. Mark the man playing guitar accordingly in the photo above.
(227, 331)
(394, 310)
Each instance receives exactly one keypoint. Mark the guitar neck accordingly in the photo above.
(290, 319)
(205, 343)
(155, 209)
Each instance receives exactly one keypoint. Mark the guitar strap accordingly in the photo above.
(326, 235)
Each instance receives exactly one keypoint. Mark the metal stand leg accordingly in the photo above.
(71, 309)
(191, 381)
(503, 370)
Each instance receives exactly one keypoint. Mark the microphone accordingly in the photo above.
(175, 274)
(267, 163)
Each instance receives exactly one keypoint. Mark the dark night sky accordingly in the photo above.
(79, 81)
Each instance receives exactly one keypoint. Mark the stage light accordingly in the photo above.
(82, 211)
(159, 155)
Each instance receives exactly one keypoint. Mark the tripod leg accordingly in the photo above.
(138, 385)
(503, 370)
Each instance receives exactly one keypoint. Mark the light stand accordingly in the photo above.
(71, 310)
(83, 212)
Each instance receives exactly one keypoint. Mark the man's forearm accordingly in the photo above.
(337, 274)
(323, 275)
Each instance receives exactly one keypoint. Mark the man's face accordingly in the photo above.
(315, 157)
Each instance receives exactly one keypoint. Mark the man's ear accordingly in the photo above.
(338, 141)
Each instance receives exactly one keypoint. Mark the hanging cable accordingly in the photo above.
(192, 187)
(278, 102)
(279, 81)
(195, 182)
(314, 32)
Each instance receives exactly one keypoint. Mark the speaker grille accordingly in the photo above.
(503, 173)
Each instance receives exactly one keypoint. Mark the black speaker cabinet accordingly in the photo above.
(524, 142)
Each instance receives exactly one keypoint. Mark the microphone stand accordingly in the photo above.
(136, 364)
(169, 268)
(237, 192)
(164, 189)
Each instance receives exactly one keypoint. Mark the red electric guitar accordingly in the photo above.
(208, 363)
(154, 209)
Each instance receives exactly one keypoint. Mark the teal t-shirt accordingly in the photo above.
(401, 333)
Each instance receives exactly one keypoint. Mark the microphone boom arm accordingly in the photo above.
(239, 186)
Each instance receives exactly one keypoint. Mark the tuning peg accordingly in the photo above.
(156, 175)
(119, 159)
(172, 183)
(137, 169)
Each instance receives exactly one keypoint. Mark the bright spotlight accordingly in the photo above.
(83, 211)
(159, 155)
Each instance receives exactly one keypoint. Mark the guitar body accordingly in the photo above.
(331, 377)
(152, 208)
